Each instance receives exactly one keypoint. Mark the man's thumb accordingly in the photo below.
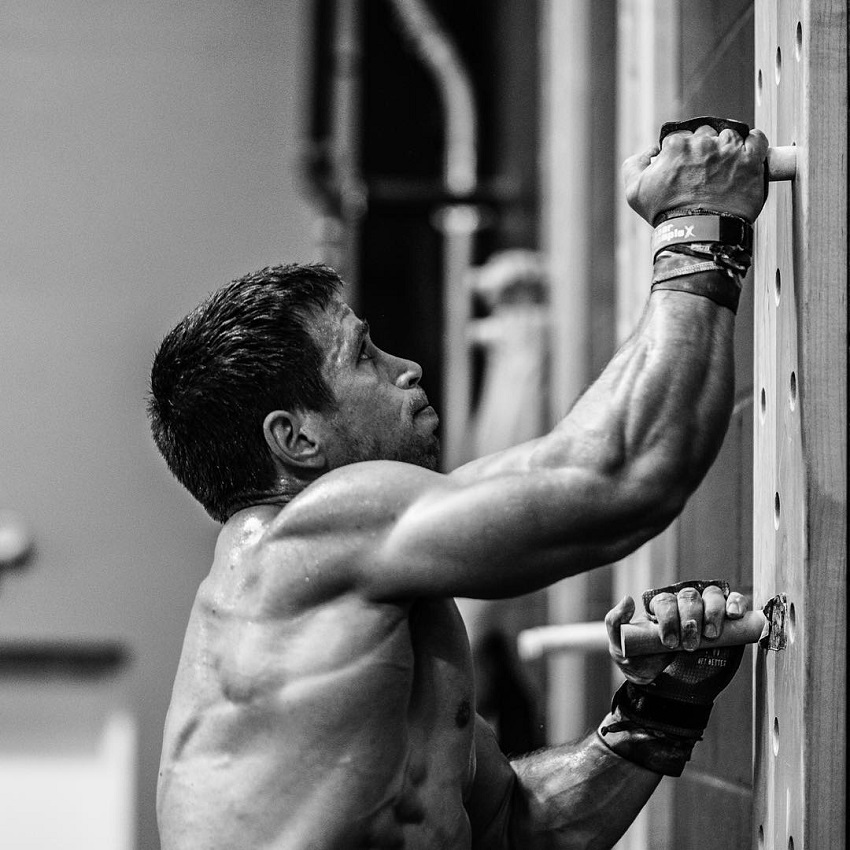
(635, 165)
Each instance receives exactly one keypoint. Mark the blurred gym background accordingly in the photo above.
(458, 162)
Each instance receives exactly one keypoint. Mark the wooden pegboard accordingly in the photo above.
(800, 427)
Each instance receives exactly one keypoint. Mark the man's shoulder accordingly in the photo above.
(332, 529)
(362, 495)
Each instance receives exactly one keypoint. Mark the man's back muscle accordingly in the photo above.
(305, 715)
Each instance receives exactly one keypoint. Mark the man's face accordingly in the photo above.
(381, 412)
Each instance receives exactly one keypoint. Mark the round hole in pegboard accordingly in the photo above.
(777, 286)
(798, 41)
(792, 623)
(776, 736)
(761, 837)
(763, 404)
(778, 65)
(777, 510)
(759, 86)
(792, 391)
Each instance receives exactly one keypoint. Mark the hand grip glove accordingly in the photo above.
(657, 725)
(694, 677)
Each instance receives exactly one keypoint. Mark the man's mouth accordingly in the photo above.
(423, 406)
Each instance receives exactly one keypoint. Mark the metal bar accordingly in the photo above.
(458, 223)
(572, 637)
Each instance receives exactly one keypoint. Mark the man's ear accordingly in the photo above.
(293, 440)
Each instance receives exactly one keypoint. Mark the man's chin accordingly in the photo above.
(432, 461)
(426, 455)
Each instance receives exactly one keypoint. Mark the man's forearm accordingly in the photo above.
(575, 796)
(660, 409)
(622, 463)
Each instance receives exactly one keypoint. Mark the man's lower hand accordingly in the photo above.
(660, 712)
(689, 617)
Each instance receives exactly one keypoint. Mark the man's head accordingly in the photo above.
(258, 391)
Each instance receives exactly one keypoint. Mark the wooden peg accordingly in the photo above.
(781, 163)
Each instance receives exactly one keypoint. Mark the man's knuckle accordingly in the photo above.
(663, 601)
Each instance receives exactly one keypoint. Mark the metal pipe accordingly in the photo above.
(458, 221)
(566, 194)
(571, 637)
(346, 140)
(434, 47)
(331, 168)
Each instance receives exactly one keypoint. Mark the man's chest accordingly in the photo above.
(442, 703)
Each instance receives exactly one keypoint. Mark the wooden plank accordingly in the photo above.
(648, 95)
(565, 194)
(800, 426)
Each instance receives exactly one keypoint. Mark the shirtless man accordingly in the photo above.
(324, 698)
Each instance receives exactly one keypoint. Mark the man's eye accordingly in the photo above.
(365, 353)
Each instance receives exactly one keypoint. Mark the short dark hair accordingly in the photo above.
(243, 352)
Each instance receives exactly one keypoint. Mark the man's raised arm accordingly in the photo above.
(620, 466)
(666, 395)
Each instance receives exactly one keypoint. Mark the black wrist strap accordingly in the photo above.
(639, 703)
(653, 731)
(683, 274)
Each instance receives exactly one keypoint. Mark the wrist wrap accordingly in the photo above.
(656, 733)
(674, 271)
(723, 238)
(682, 227)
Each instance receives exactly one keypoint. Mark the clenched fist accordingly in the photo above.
(701, 169)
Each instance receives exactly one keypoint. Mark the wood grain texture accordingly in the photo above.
(800, 425)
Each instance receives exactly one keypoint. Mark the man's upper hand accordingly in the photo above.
(704, 168)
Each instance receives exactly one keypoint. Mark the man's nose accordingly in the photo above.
(409, 375)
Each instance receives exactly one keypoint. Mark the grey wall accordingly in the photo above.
(146, 154)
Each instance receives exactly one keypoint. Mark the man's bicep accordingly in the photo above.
(508, 534)
(513, 459)
(490, 799)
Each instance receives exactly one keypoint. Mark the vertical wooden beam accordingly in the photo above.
(648, 95)
(800, 426)
(648, 89)
(566, 237)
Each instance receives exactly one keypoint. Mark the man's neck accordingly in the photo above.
(284, 491)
